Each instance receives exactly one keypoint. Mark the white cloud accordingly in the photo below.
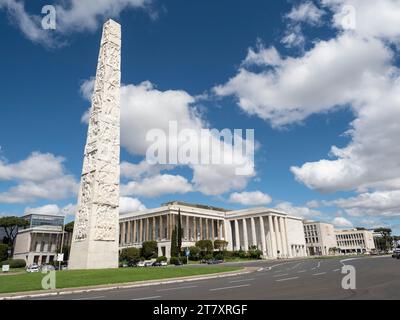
(342, 222)
(72, 16)
(40, 176)
(52, 209)
(306, 12)
(144, 108)
(254, 198)
(303, 212)
(127, 205)
(157, 186)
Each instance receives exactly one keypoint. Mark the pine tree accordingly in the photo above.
(174, 247)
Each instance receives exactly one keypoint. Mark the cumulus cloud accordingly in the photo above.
(342, 222)
(253, 198)
(127, 205)
(306, 12)
(145, 108)
(303, 212)
(40, 176)
(355, 69)
(156, 186)
(52, 209)
(72, 16)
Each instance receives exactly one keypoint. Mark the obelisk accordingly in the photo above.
(96, 236)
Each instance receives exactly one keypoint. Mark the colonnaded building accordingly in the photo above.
(274, 232)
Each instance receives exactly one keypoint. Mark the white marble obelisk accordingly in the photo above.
(96, 235)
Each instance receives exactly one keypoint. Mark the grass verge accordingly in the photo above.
(82, 278)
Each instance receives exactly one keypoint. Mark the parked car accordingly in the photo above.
(32, 268)
(396, 253)
(214, 261)
(148, 263)
(164, 263)
(156, 264)
(140, 264)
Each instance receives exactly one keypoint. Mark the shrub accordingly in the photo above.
(129, 254)
(3, 252)
(149, 249)
(208, 257)
(14, 263)
(174, 260)
(219, 256)
(194, 253)
(162, 258)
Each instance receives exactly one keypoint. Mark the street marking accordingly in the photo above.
(281, 275)
(319, 264)
(233, 287)
(177, 288)
(90, 298)
(243, 280)
(313, 268)
(287, 279)
(336, 270)
(319, 274)
(302, 271)
(147, 298)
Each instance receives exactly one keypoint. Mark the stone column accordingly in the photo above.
(283, 237)
(201, 228)
(141, 231)
(96, 232)
(286, 237)
(161, 228)
(168, 227)
(253, 232)
(277, 235)
(272, 236)
(245, 235)
(237, 236)
(134, 231)
(187, 229)
(207, 229)
(262, 232)
(195, 228)
(154, 229)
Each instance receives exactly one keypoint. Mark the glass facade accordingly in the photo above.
(37, 220)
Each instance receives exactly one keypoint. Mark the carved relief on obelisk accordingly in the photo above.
(95, 236)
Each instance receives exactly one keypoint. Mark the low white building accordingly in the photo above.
(355, 241)
(40, 241)
(274, 232)
(320, 238)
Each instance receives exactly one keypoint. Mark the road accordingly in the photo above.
(376, 278)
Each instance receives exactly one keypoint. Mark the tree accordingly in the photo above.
(386, 236)
(10, 226)
(149, 249)
(3, 252)
(130, 254)
(69, 227)
(179, 233)
(174, 245)
(194, 253)
(220, 245)
(206, 246)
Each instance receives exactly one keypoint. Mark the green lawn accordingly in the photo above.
(81, 278)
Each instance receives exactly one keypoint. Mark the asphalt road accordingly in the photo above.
(376, 278)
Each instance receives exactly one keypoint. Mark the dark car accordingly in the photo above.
(396, 253)
(132, 264)
(214, 261)
(156, 264)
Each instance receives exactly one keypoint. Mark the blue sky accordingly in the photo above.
(288, 69)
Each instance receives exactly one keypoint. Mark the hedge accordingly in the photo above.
(14, 263)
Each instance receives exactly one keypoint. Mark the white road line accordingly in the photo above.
(302, 271)
(148, 298)
(319, 264)
(233, 287)
(281, 275)
(90, 298)
(176, 288)
(319, 274)
(287, 279)
(336, 270)
(243, 280)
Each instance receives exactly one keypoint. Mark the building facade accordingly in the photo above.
(275, 233)
(355, 241)
(40, 241)
(320, 238)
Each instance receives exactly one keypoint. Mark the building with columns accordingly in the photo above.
(320, 238)
(274, 232)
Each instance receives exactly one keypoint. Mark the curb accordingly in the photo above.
(38, 294)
